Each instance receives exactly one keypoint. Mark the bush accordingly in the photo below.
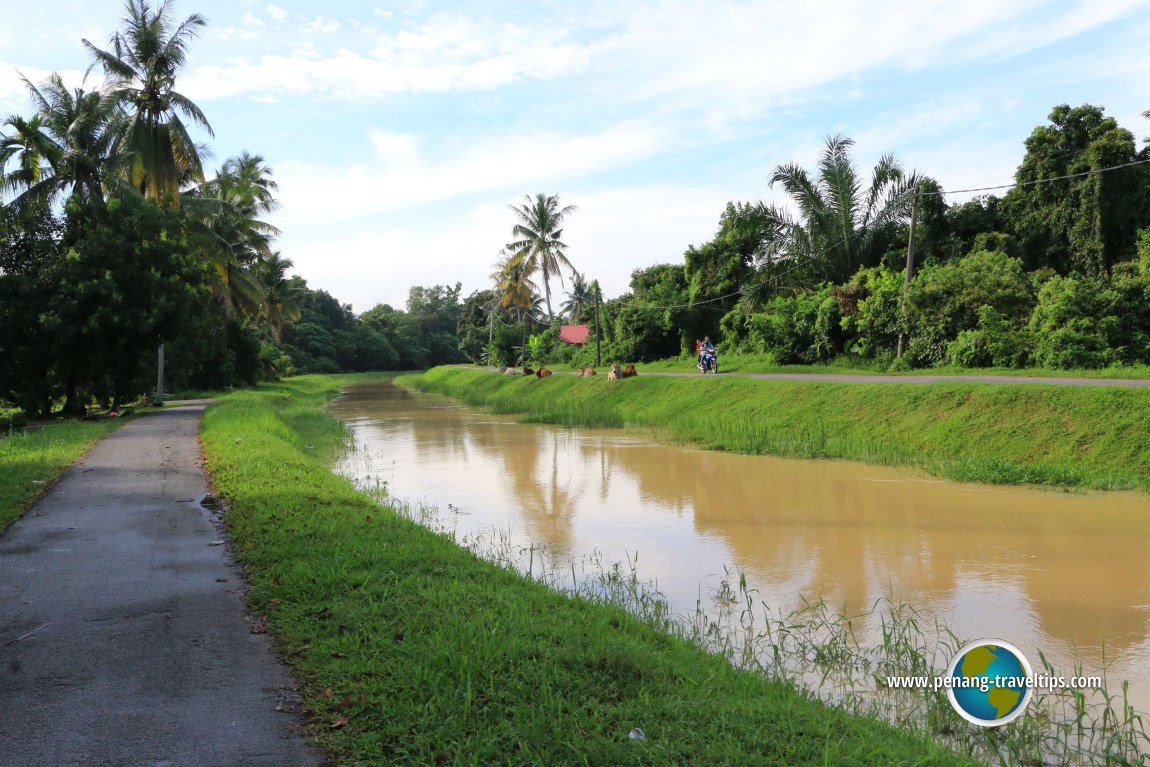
(997, 342)
(944, 300)
(804, 328)
(1092, 322)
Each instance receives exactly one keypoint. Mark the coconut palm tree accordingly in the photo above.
(223, 212)
(515, 290)
(578, 298)
(74, 131)
(28, 148)
(280, 295)
(843, 223)
(539, 246)
(141, 70)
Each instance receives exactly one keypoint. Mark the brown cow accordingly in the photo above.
(630, 371)
(542, 373)
(587, 372)
(616, 373)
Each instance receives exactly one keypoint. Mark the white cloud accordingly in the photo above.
(277, 13)
(322, 26)
(446, 53)
(400, 177)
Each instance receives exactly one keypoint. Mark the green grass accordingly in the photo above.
(32, 459)
(412, 650)
(1039, 434)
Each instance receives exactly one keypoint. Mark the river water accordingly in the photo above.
(1067, 574)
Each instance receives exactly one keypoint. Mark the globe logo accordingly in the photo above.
(988, 682)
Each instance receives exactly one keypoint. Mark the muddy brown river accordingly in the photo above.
(1067, 574)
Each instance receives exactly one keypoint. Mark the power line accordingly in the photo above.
(811, 256)
(1020, 184)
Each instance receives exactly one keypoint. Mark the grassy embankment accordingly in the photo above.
(31, 460)
(411, 649)
(759, 363)
(1055, 435)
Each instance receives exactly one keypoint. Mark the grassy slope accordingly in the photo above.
(31, 460)
(982, 432)
(412, 650)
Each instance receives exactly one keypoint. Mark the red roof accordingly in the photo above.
(574, 334)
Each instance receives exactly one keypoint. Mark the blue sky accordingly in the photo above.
(399, 132)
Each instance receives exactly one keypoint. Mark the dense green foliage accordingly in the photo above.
(410, 649)
(113, 243)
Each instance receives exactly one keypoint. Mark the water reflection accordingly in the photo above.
(1044, 570)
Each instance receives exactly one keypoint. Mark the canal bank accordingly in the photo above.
(1066, 436)
(412, 649)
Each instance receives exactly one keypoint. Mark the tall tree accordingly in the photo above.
(578, 298)
(843, 222)
(27, 148)
(515, 289)
(226, 213)
(280, 299)
(1064, 212)
(141, 70)
(79, 130)
(539, 246)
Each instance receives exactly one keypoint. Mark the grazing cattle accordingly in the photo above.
(630, 371)
(528, 371)
(615, 374)
(587, 372)
(511, 372)
(542, 373)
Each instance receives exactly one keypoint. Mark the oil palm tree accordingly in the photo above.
(141, 70)
(539, 246)
(843, 224)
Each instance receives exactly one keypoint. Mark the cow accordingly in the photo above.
(528, 371)
(630, 371)
(585, 372)
(511, 372)
(542, 373)
(616, 373)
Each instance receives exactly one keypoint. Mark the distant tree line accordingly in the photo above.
(1054, 273)
(114, 244)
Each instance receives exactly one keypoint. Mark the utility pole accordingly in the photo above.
(598, 332)
(159, 398)
(909, 268)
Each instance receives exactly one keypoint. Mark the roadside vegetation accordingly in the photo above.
(412, 649)
(1048, 435)
(31, 459)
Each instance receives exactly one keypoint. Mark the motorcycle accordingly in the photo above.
(709, 362)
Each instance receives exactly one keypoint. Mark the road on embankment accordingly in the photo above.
(123, 636)
(896, 379)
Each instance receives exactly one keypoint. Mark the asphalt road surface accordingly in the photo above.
(123, 635)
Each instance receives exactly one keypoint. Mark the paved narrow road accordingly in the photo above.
(123, 638)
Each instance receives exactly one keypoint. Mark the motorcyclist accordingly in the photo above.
(707, 346)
